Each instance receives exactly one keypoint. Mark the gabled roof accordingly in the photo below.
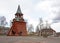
(48, 30)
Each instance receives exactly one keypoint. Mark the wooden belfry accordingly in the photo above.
(18, 27)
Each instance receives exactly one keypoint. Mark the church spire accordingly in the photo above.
(19, 10)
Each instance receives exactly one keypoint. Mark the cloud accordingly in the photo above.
(57, 18)
(44, 8)
(56, 11)
(50, 8)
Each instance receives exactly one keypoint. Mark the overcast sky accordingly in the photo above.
(33, 10)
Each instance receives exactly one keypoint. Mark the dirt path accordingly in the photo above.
(14, 39)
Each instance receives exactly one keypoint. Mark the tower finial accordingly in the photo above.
(19, 10)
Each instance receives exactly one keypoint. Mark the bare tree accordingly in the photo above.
(11, 23)
(47, 25)
(30, 28)
(40, 25)
(37, 30)
(3, 21)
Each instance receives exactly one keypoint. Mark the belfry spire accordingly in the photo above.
(18, 27)
(19, 10)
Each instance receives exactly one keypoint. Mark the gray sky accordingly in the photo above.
(33, 10)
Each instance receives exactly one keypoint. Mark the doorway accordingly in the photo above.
(13, 32)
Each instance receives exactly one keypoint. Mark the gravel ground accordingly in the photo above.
(28, 39)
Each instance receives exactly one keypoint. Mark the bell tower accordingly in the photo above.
(19, 15)
(18, 27)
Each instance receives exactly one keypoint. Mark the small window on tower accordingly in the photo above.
(17, 19)
(21, 16)
(15, 16)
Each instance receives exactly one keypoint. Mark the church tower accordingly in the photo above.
(18, 27)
